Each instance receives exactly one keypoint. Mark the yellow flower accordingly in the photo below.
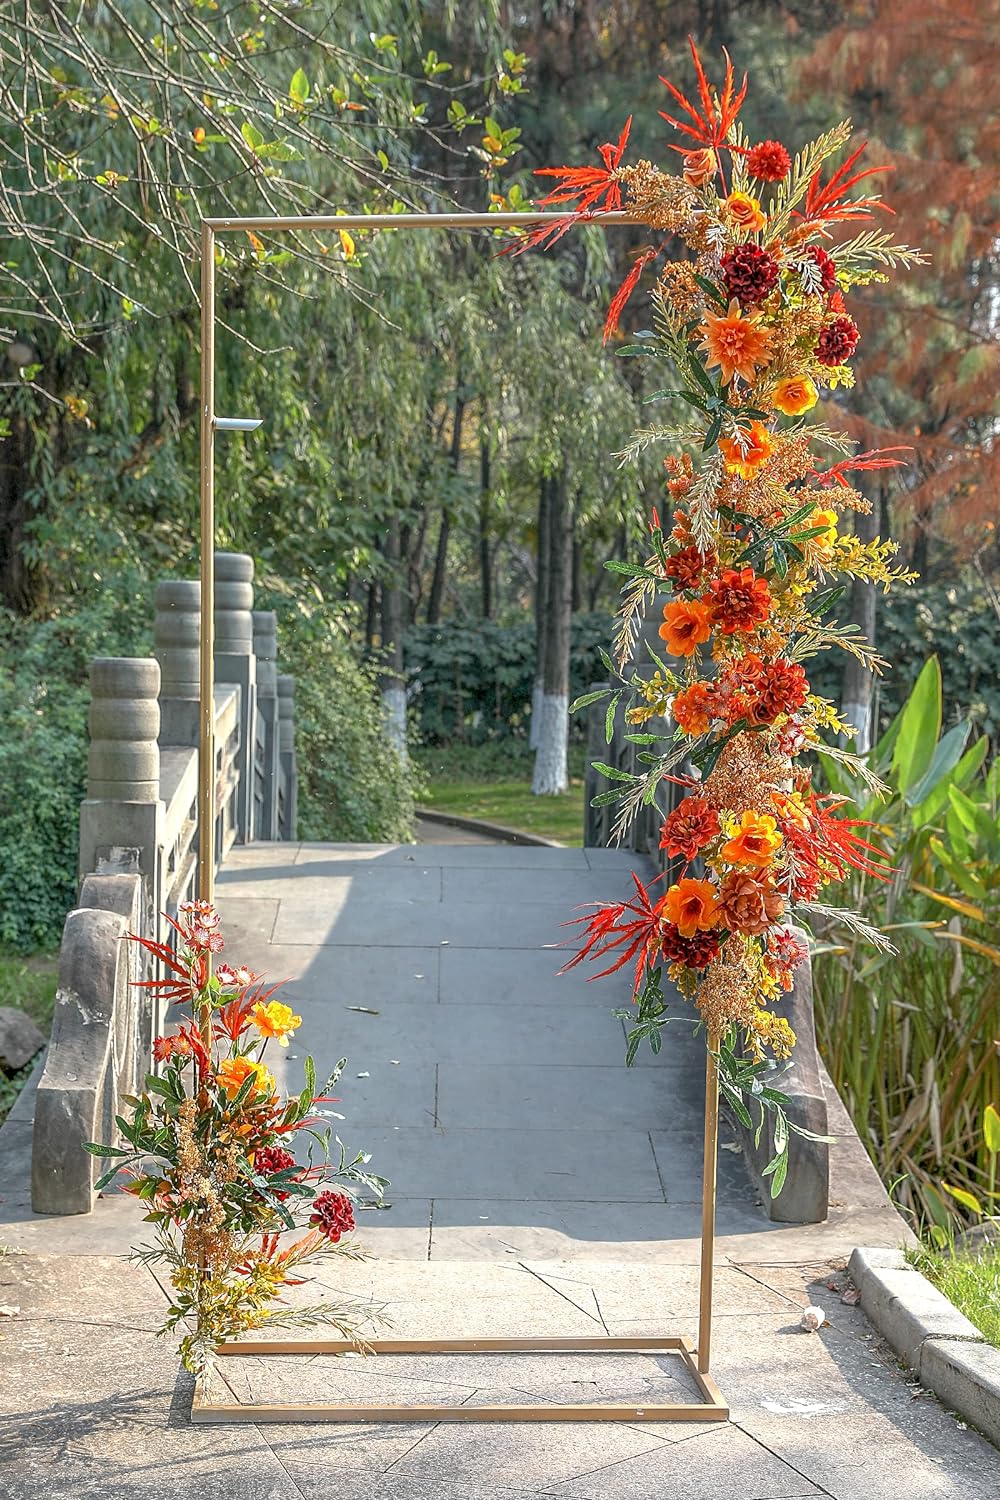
(794, 395)
(275, 1019)
(234, 1072)
(823, 544)
(745, 211)
(754, 841)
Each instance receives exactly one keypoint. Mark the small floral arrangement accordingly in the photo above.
(752, 322)
(206, 1148)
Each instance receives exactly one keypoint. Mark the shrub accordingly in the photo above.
(353, 786)
(473, 682)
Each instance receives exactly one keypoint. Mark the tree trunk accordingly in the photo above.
(485, 557)
(542, 576)
(22, 583)
(856, 684)
(550, 776)
(441, 556)
(392, 679)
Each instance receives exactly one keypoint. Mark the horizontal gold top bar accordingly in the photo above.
(408, 221)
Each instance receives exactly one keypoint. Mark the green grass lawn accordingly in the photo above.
(493, 782)
(972, 1282)
(27, 984)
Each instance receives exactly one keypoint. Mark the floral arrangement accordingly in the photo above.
(206, 1147)
(751, 319)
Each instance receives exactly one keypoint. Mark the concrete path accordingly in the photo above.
(539, 1187)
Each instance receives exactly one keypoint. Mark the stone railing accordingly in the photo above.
(139, 850)
(805, 1197)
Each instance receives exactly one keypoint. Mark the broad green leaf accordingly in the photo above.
(919, 728)
(991, 1129)
(947, 754)
(298, 89)
(964, 772)
(967, 1200)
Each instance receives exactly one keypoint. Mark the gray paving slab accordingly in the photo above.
(346, 976)
(403, 923)
(566, 1164)
(334, 883)
(500, 976)
(453, 856)
(539, 1096)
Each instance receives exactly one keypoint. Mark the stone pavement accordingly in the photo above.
(539, 1187)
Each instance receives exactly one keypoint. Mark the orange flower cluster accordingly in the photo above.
(758, 332)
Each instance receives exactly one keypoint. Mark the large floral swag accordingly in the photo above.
(751, 328)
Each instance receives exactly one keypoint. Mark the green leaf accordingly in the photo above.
(298, 89)
(710, 288)
(919, 728)
(712, 435)
(96, 1149)
(947, 754)
(587, 699)
(604, 799)
(704, 380)
(609, 718)
(611, 772)
(251, 135)
(967, 1200)
(991, 1129)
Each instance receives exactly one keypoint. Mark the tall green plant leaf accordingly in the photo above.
(920, 726)
(947, 754)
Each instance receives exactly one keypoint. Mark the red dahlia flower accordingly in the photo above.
(780, 688)
(768, 161)
(825, 265)
(837, 341)
(695, 952)
(333, 1215)
(268, 1160)
(749, 274)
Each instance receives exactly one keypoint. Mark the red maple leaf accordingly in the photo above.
(829, 203)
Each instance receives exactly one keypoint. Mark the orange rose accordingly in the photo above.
(699, 166)
(744, 457)
(690, 905)
(745, 211)
(794, 395)
(686, 623)
(755, 841)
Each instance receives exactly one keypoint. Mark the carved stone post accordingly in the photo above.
(265, 646)
(286, 750)
(176, 634)
(122, 820)
(235, 663)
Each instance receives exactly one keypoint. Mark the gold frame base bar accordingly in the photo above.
(712, 1409)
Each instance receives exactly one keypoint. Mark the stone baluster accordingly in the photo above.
(235, 664)
(265, 646)
(176, 636)
(122, 818)
(286, 749)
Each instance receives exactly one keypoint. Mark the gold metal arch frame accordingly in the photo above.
(694, 1356)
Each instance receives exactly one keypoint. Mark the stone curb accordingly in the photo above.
(497, 830)
(947, 1353)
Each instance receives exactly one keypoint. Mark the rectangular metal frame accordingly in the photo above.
(695, 1357)
(712, 1409)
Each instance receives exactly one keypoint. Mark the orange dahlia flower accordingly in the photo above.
(755, 841)
(691, 905)
(738, 345)
(794, 395)
(745, 211)
(694, 708)
(747, 456)
(686, 623)
(740, 601)
(748, 903)
(234, 1072)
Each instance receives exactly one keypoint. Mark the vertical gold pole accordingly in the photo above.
(708, 1204)
(206, 725)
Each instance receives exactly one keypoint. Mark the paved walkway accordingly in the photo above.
(538, 1187)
